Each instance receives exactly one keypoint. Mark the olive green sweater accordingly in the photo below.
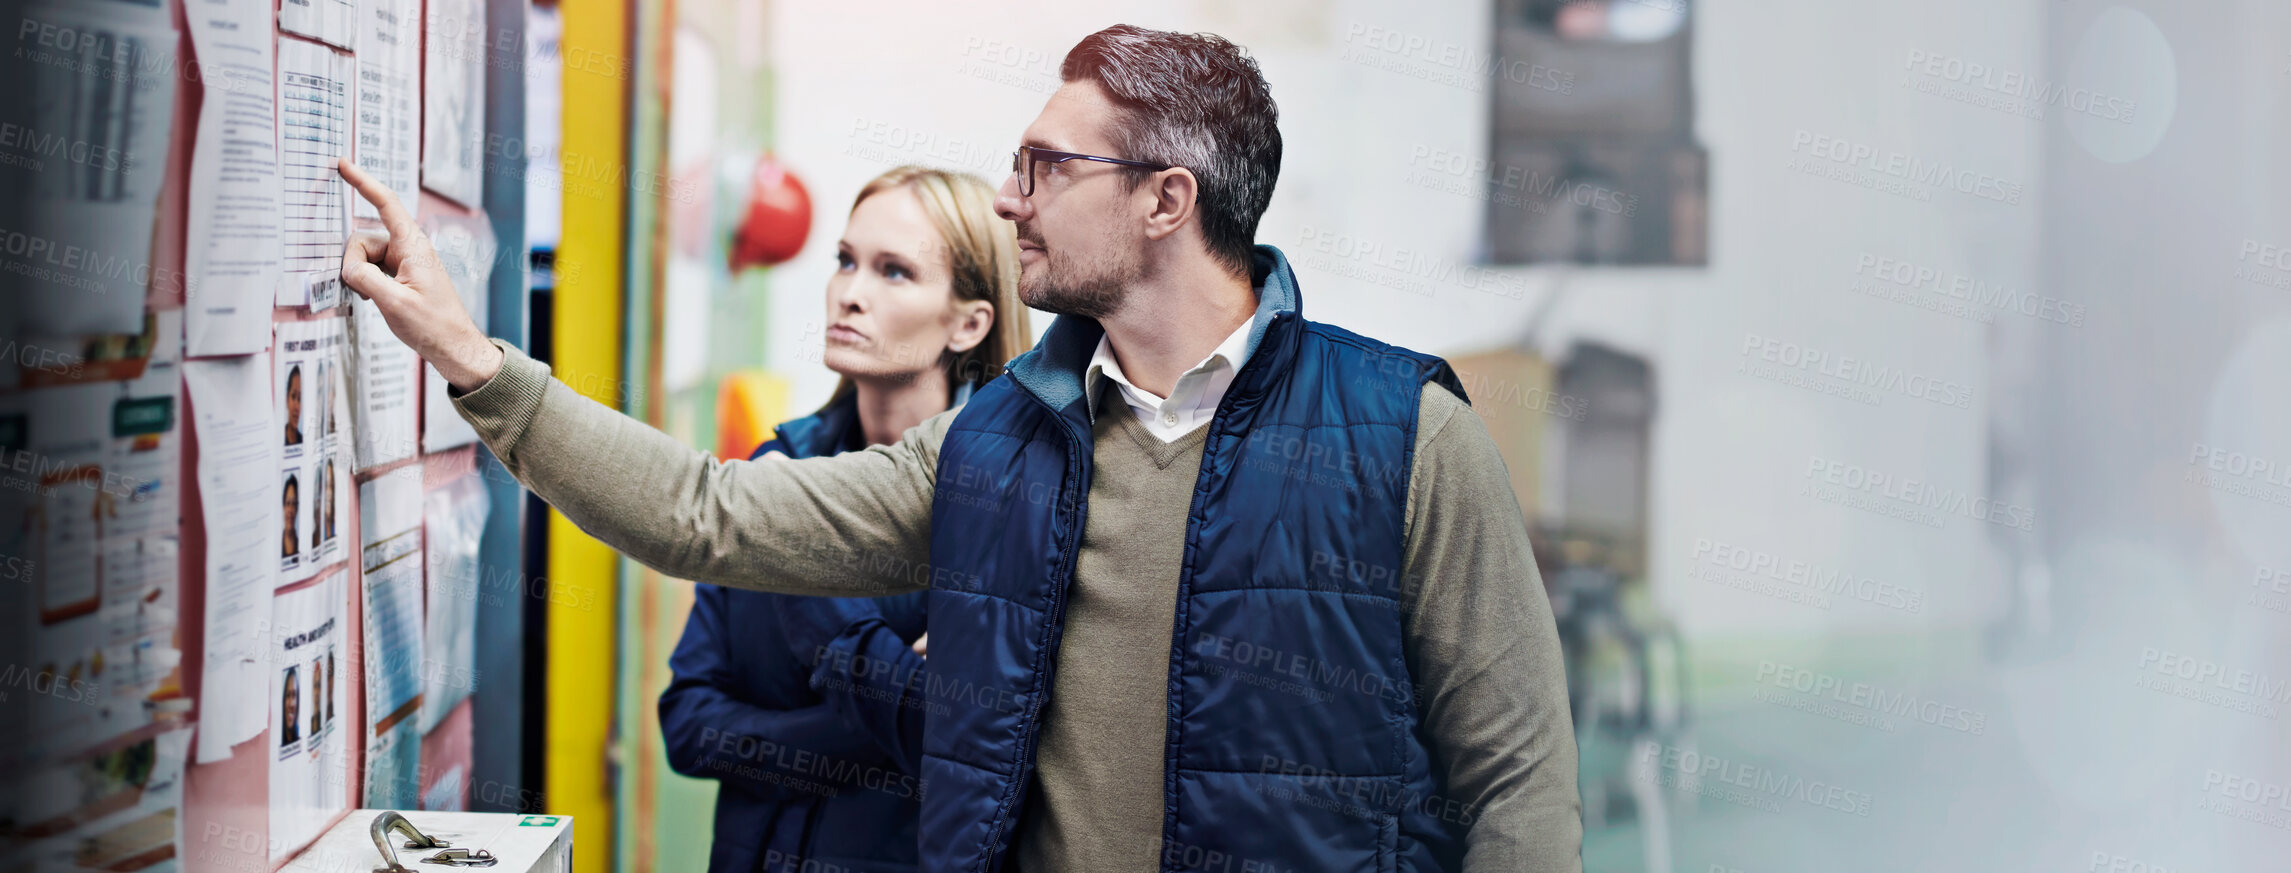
(1482, 650)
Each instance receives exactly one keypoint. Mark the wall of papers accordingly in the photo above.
(239, 539)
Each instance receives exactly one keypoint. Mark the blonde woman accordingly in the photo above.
(807, 709)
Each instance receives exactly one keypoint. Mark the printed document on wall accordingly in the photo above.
(88, 552)
(315, 101)
(314, 459)
(306, 661)
(103, 86)
(118, 809)
(455, 521)
(231, 252)
(238, 455)
(465, 244)
(47, 638)
(330, 21)
(382, 388)
(390, 548)
(453, 101)
(389, 99)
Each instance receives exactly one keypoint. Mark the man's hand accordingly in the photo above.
(405, 279)
(921, 647)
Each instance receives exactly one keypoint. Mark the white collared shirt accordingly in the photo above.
(1190, 404)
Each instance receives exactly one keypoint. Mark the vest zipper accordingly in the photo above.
(1185, 588)
(1033, 737)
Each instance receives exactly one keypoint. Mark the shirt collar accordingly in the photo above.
(1234, 351)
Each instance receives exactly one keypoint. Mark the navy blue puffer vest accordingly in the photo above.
(1294, 737)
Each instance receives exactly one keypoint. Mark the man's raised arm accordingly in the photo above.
(856, 524)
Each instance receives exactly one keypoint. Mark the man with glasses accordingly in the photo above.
(1212, 618)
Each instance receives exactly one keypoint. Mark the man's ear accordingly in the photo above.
(1176, 201)
(971, 319)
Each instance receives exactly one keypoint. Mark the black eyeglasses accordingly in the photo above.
(1022, 163)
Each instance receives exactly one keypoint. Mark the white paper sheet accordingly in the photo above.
(455, 527)
(137, 505)
(331, 21)
(147, 446)
(103, 88)
(383, 371)
(390, 545)
(232, 247)
(306, 661)
(389, 99)
(68, 438)
(322, 291)
(315, 103)
(238, 457)
(88, 549)
(51, 646)
(138, 624)
(544, 127)
(309, 357)
(390, 518)
(447, 790)
(453, 101)
(465, 244)
(110, 812)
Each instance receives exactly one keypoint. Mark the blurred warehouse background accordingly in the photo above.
(1899, 394)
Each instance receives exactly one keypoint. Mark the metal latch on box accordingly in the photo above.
(462, 858)
(415, 839)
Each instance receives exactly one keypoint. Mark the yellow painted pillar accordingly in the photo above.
(583, 573)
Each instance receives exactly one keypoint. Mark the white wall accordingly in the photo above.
(2146, 224)
(857, 93)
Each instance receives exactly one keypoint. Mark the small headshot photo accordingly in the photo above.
(319, 696)
(290, 710)
(290, 505)
(330, 680)
(326, 399)
(325, 488)
(294, 405)
(328, 505)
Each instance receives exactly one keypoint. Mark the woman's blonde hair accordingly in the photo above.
(982, 256)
